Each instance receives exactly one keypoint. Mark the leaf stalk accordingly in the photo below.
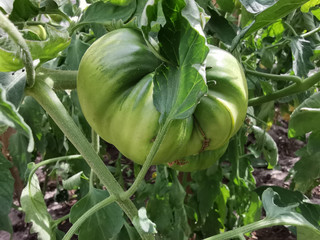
(287, 91)
(153, 151)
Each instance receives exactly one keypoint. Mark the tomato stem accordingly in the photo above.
(153, 151)
(275, 77)
(96, 145)
(54, 107)
(287, 91)
(235, 233)
(57, 79)
(308, 34)
(16, 36)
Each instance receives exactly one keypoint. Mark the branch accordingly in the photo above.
(287, 91)
(57, 79)
(275, 77)
(308, 34)
(153, 151)
(264, 223)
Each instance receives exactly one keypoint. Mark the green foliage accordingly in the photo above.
(107, 13)
(305, 117)
(189, 61)
(42, 49)
(287, 215)
(264, 145)
(266, 12)
(301, 52)
(32, 203)
(104, 224)
(309, 162)
(14, 83)
(6, 193)
(10, 117)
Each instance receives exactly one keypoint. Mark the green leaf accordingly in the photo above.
(179, 86)
(226, 5)
(275, 11)
(266, 87)
(166, 205)
(32, 203)
(57, 40)
(301, 52)
(311, 3)
(207, 189)
(107, 13)
(23, 10)
(308, 163)
(6, 193)
(267, 146)
(10, 117)
(286, 196)
(10, 54)
(286, 215)
(316, 13)
(5, 224)
(257, 6)
(13, 83)
(104, 224)
(72, 182)
(34, 115)
(241, 185)
(139, 10)
(212, 224)
(220, 27)
(303, 209)
(305, 233)
(18, 151)
(75, 52)
(303, 120)
(313, 142)
(6, 5)
(127, 232)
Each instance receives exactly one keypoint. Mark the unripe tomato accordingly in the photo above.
(115, 88)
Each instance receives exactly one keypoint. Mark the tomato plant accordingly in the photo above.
(183, 95)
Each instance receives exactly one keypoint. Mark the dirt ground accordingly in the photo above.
(277, 176)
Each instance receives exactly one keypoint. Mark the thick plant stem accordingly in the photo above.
(245, 229)
(95, 140)
(87, 214)
(16, 36)
(154, 149)
(290, 90)
(52, 104)
(57, 79)
(308, 34)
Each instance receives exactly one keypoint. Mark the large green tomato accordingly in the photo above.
(115, 90)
